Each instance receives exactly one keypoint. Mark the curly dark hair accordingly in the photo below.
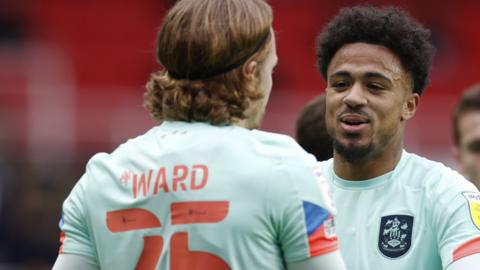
(390, 27)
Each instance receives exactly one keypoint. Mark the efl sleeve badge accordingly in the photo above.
(473, 199)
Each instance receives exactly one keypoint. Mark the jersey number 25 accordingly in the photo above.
(181, 258)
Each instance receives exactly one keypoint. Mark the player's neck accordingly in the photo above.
(247, 123)
(370, 167)
(242, 123)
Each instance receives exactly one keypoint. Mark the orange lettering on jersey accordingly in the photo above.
(143, 184)
(180, 173)
(181, 258)
(203, 182)
(152, 248)
(178, 178)
(131, 219)
(198, 212)
(161, 181)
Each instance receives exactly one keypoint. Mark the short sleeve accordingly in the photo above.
(456, 217)
(74, 235)
(301, 211)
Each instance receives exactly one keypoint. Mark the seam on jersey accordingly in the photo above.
(277, 166)
(391, 175)
(178, 148)
(404, 159)
(89, 223)
(430, 220)
(306, 245)
(447, 211)
(268, 200)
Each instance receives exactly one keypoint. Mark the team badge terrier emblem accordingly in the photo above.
(395, 236)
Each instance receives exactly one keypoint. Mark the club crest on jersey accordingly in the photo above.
(473, 199)
(395, 235)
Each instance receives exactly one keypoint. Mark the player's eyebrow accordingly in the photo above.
(341, 73)
(373, 74)
(370, 74)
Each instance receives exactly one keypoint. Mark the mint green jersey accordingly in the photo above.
(195, 196)
(421, 215)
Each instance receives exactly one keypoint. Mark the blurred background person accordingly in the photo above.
(466, 134)
(311, 131)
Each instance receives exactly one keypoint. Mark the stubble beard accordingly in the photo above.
(353, 154)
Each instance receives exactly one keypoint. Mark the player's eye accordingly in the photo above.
(375, 86)
(474, 147)
(339, 85)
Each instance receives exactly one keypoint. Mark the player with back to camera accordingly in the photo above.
(204, 189)
(396, 210)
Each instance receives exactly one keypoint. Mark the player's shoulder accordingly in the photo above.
(435, 177)
(324, 165)
(280, 146)
(126, 155)
(324, 168)
(144, 143)
(296, 170)
(274, 139)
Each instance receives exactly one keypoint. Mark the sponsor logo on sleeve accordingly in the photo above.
(395, 235)
(473, 199)
(329, 227)
(320, 229)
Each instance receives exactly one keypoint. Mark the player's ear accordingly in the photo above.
(249, 69)
(410, 106)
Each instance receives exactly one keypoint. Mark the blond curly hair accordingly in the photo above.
(202, 45)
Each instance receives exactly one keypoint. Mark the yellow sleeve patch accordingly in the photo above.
(473, 199)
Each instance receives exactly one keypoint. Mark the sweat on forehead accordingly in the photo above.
(390, 27)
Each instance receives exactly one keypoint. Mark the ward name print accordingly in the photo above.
(166, 179)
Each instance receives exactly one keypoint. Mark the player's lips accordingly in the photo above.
(354, 123)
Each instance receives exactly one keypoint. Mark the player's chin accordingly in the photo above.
(357, 146)
(353, 151)
(355, 143)
(354, 139)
